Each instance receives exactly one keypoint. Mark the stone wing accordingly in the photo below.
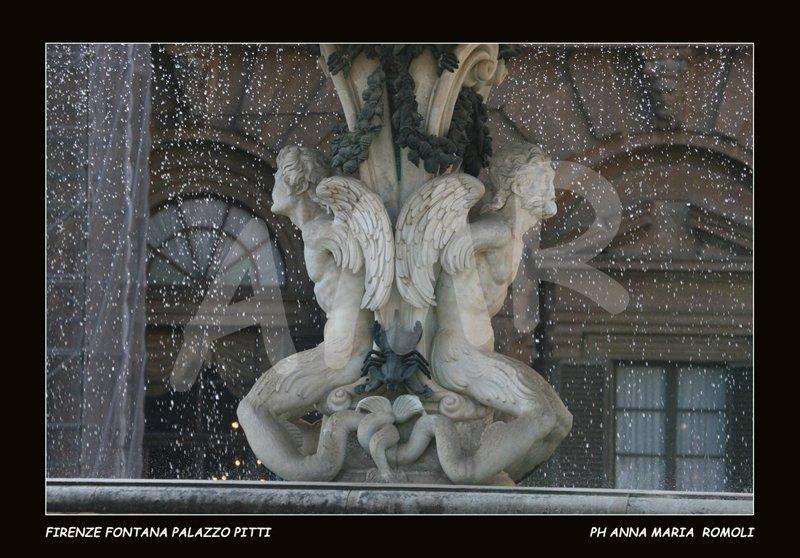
(361, 235)
(428, 221)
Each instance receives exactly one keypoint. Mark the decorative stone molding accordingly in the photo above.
(479, 68)
(194, 65)
(719, 226)
(377, 172)
(665, 68)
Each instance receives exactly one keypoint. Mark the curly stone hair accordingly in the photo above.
(303, 168)
(511, 169)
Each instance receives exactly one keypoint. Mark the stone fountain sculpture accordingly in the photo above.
(409, 276)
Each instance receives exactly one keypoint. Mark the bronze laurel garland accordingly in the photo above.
(468, 138)
(349, 149)
(470, 118)
(434, 152)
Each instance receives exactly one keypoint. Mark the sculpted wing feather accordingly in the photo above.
(361, 235)
(427, 223)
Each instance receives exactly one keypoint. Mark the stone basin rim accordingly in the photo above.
(410, 487)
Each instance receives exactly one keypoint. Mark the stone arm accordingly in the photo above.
(322, 236)
(487, 233)
(316, 232)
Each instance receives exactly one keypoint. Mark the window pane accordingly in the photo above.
(229, 254)
(163, 273)
(270, 265)
(239, 274)
(641, 387)
(204, 212)
(701, 387)
(178, 251)
(640, 432)
(646, 473)
(200, 245)
(253, 236)
(237, 219)
(224, 246)
(707, 474)
(164, 224)
(279, 263)
(701, 433)
(203, 243)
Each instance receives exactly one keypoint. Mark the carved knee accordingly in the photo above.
(563, 419)
(564, 424)
(539, 409)
(246, 412)
(548, 420)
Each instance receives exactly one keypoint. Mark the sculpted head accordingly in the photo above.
(525, 170)
(300, 169)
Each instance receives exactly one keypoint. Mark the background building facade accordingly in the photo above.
(661, 393)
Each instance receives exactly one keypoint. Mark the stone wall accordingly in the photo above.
(67, 210)
(98, 112)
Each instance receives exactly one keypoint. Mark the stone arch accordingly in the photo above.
(196, 167)
(622, 145)
(712, 180)
(192, 168)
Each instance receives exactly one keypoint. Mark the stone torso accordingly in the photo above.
(496, 274)
(461, 306)
(497, 267)
(330, 280)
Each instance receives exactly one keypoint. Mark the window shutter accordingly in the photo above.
(739, 419)
(581, 455)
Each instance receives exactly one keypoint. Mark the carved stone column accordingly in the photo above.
(387, 169)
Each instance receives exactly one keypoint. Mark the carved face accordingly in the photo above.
(282, 199)
(537, 190)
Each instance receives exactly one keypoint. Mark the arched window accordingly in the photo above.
(190, 237)
(193, 240)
